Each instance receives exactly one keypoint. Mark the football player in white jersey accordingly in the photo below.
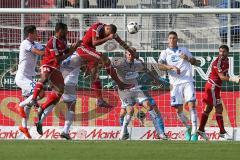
(70, 69)
(179, 61)
(128, 70)
(28, 56)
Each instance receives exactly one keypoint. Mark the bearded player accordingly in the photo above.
(212, 98)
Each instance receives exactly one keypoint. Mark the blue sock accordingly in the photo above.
(121, 119)
(160, 123)
(157, 122)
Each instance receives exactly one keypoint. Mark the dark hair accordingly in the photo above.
(224, 47)
(113, 28)
(29, 29)
(172, 33)
(59, 26)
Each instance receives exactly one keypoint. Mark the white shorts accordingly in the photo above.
(181, 93)
(26, 83)
(131, 96)
(70, 81)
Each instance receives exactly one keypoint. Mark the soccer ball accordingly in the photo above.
(133, 27)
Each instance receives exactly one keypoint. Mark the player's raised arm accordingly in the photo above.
(235, 79)
(69, 51)
(103, 34)
(124, 44)
(98, 41)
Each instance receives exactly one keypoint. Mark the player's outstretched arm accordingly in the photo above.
(235, 79)
(69, 51)
(124, 44)
(38, 50)
(97, 41)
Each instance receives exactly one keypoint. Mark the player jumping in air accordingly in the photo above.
(178, 61)
(212, 98)
(30, 50)
(96, 35)
(56, 51)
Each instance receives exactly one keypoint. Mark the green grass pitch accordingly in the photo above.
(117, 150)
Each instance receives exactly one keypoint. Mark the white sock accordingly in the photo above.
(68, 121)
(46, 112)
(26, 101)
(126, 121)
(194, 120)
(24, 120)
(183, 118)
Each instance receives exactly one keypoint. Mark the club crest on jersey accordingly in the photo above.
(175, 58)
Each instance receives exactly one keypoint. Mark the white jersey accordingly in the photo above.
(27, 59)
(172, 57)
(128, 71)
(70, 69)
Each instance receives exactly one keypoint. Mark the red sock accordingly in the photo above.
(38, 87)
(203, 121)
(52, 98)
(97, 88)
(219, 119)
(112, 72)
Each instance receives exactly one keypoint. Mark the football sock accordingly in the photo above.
(38, 87)
(121, 119)
(203, 121)
(157, 121)
(97, 88)
(193, 113)
(126, 121)
(219, 119)
(46, 113)
(68, 121)
(183, 119)
(52, 98)
(24, 120)
(26, 101)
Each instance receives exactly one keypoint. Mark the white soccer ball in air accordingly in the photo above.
(133, 27)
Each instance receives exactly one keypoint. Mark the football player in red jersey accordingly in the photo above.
(96, 35)
(55, 52)
(219, 73)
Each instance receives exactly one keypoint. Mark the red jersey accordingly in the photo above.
(219, 65)
(54, 47)
(96, 30)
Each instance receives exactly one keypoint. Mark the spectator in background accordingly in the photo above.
(74, 21)
(205, 2)
(107, 3)
(223, 22)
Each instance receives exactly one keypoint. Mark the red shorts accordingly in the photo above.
(54, 75)
(90, 55)
(212, 94)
